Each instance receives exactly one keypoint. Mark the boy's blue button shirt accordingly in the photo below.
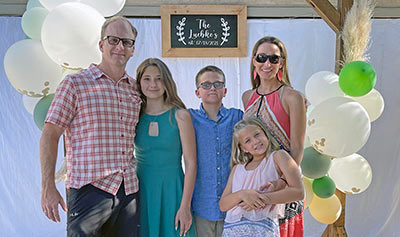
(213, 145)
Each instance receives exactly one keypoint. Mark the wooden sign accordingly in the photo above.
(203, 30)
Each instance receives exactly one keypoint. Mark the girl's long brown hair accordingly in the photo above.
(171, 94)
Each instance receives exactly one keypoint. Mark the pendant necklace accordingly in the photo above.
(153, 128)
(153, 125)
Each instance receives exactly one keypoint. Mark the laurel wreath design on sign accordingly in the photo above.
(180, 29)
(225, 32)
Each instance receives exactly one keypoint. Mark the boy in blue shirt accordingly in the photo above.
(213, 124)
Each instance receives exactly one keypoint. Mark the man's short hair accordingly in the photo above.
(113, 19)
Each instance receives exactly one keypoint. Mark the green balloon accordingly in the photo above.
(324, 187)
(32, 4)
(32, 21)
(357, 78)
(314, 164)
(40, 110)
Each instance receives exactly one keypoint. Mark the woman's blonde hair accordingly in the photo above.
(170, 95)
(238, 155)
(255, 82)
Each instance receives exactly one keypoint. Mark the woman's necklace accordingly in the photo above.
(262, 97)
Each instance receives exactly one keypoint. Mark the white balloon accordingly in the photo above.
(309, 109)
(32, 22)
(373, 103)
(30, 102)
(30, 70)
(106, 7)
(32, 4)
(67, 72)
(338, 127)
(51, 4)
(322, 86)
(307, 142)
(71, 34)
(352, 174)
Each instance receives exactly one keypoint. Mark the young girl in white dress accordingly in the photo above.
(256, 163)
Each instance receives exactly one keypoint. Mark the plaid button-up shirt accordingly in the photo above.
(99, 117)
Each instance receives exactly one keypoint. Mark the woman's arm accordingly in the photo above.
(253, 198)
(288, 167)
(294, 102)
(245, 97)
(188, 141)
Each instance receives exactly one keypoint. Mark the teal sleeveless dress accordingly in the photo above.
(160, 175)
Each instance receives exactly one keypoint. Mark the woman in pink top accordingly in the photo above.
(275, 102)
(257, 160)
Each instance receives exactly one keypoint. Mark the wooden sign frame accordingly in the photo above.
(239, 10)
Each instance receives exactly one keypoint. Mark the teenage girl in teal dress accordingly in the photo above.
(164, 133)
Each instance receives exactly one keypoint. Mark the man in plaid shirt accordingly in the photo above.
(98, 109)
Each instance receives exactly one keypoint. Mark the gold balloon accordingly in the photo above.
(325, 210)
(308, 189)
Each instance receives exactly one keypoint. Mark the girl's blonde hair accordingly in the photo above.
(171, 95)
(255, 82)
(238, 155)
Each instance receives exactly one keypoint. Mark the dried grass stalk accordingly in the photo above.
(356, 31)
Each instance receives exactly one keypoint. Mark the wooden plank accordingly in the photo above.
(335, 19)
(338, 228)
(327, 12)
(12, 9)
(253, 11)
(343, 7)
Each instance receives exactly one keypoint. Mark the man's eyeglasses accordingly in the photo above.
(207, 85)
(114, 40)
(262, 58)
